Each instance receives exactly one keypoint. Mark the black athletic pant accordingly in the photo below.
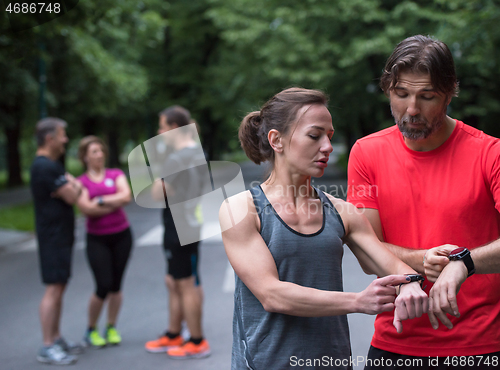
(107, 256)
(384, 360)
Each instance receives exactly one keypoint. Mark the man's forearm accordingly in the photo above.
(487, 258)
(412, 257)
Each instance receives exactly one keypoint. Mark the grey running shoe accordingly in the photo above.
(70, 347)
(54, 355)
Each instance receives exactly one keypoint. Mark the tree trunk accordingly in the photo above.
(114, 152)
(13, 135)
(12, 132)
(89, 126)
(209, 134)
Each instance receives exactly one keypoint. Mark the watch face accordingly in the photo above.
(457, 251)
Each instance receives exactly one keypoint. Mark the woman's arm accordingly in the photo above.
(91, 208)
(122, 196)
(368, 249)
(412, 257)
(373, 256)
(255, 266)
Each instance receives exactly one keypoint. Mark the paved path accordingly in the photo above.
(144, 314)
(12, 197)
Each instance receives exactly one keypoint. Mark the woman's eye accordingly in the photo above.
(314, 137)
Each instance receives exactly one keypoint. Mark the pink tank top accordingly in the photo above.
(113, 222)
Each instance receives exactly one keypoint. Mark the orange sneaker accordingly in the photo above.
(163, 343)
(190, 350)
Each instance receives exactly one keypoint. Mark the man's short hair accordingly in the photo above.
(177, 114)
(422, 54)
(47, 126)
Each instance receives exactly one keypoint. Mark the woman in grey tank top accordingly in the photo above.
(285, 240)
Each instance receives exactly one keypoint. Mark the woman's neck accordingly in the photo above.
(289, 185)
(95, 171)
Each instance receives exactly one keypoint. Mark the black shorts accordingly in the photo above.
(182, 260)
(55, 263)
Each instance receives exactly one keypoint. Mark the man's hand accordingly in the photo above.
(69, 177)
(436, 259)
(443, 295)
(411, 302)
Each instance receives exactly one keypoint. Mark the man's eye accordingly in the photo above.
(427, 97)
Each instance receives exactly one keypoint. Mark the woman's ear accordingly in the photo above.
(275, 140)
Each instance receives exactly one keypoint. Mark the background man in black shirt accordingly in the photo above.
(54, 193)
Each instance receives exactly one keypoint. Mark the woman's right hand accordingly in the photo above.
(380, 295)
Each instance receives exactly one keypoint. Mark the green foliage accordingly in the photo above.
(20, 217)
(341, 47)
(112, 65)
(473, 35)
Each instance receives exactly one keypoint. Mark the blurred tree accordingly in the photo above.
(185, 71)
(94, 77)
(18, 93)
(112, 65)
(341, 47)
(96, 72)
(472, 33)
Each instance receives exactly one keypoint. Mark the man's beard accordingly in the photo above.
(420, 133)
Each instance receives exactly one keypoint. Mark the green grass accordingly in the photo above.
(73, 166)
(3, 178)
(20, 217)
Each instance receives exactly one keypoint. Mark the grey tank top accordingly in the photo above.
(274, 341)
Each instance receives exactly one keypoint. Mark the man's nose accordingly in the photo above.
(413, 108)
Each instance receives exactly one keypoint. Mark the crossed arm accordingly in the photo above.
(70, 191)
(91, 208)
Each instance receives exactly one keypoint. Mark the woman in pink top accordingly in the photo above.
(109, 240)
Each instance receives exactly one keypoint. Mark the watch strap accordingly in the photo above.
(466, 258)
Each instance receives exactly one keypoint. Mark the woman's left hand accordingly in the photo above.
(411, 302)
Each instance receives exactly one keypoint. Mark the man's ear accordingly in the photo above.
(48, 138)
(275, 140)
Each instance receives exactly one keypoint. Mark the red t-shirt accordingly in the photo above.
(450, 195)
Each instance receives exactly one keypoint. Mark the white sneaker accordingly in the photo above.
(54, 355)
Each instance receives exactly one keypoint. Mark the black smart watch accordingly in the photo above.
(463, 254)
(415, 277)
(100, 201)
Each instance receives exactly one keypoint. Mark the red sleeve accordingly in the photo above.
(360, 183)
(492, 171)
